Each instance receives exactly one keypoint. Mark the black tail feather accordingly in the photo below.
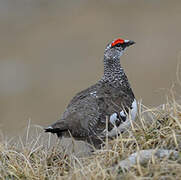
(56, 131)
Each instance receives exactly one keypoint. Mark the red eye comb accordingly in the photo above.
(117, 41)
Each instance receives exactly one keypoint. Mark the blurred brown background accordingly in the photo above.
(50, 50)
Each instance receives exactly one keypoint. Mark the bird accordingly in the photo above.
(105, 108)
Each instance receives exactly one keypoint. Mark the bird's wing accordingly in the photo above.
(81, 95)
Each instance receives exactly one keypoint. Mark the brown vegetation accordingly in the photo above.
(36, 155)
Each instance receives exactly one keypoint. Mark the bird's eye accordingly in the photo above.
(118, 45)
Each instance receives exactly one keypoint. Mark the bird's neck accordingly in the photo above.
(113, 72)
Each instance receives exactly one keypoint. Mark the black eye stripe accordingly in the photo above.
(118, 45)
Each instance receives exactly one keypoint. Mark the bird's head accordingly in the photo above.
(116, 48)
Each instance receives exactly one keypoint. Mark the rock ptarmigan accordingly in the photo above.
(110, 98)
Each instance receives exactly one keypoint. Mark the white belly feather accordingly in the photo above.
(125, 124)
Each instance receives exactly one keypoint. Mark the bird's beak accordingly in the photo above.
(129, 43)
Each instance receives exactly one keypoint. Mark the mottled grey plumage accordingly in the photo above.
(85, 116)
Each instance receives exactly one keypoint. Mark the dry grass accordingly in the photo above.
(37, 155)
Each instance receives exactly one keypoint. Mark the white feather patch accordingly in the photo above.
(113, 118)
(49, 127)
(126, 41)
(122, 114)
(123, 126)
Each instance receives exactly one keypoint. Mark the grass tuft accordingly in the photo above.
(36, 155)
